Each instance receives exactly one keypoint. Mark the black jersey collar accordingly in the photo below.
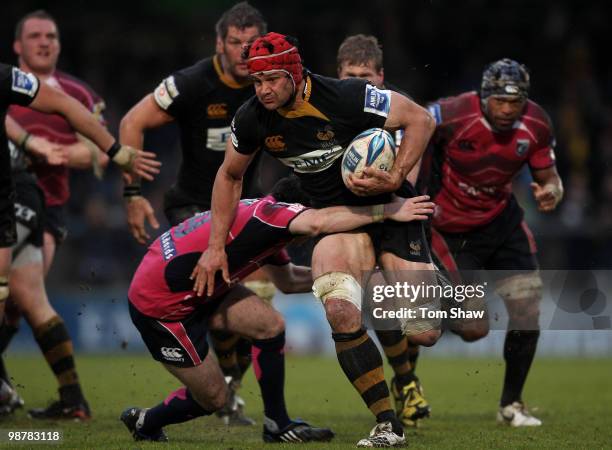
(224, 78)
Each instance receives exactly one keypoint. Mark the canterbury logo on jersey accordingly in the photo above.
(166, 93)
(216, 111)
(172, 354)
(275, 143)
(315, 161)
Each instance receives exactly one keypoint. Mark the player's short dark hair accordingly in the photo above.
(241, 15)
(360, 50)
(289, 190)
(38, 14)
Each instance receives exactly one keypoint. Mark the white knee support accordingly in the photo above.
(338, 285)
(519, 287)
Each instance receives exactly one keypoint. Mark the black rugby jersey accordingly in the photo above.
(312, 139)
(203, 100)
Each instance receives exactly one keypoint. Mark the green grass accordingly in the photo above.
(572, 397)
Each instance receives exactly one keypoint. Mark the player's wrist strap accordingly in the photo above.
(378, 213)
(24, 140)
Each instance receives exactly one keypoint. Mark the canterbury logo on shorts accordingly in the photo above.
(172, 354)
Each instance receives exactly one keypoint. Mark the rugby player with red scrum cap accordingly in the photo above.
(173, 321)
(306, 121)
(482, 140)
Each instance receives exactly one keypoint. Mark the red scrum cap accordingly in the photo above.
(275, 52)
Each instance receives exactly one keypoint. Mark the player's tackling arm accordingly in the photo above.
(337, 219)
(418, 126)
(50, 100)
(547, 188)
(145, 115)
(225, 196)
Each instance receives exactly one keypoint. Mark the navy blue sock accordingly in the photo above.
(269, 366)
(178, 407)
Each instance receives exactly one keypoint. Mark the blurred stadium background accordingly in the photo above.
(432, 49)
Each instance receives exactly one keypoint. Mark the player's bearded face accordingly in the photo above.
(503, 111)
(38, 46)
(365, 72)
(273, 90)
(231, 47)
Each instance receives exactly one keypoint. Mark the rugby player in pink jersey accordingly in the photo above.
(173, 320)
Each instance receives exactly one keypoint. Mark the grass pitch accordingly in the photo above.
(572, 397)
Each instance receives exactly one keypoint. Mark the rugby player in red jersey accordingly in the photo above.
(35, 38)
(482, 140)
(306, 121)
(173, 320)
(361, 56)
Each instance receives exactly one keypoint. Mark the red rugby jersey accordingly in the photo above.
(53, 180)
(477, 164)
(161, 287)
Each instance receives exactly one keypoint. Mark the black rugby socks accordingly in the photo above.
(269, 366)
(519, 350)
(178, 407)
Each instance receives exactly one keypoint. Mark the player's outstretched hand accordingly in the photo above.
(405, 210)
(53, 154)
(373, 182)
(545, 196)
(139, 210)
(211, 261)
(138, 162)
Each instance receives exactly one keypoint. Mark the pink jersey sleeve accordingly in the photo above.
(277, 214)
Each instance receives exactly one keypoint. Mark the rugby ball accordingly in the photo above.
(372, 148)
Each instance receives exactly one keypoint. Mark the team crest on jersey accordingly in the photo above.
(216, 111)
(326, 134)
(377, 101)
(522, 145)
(24, 83)
(275, 143)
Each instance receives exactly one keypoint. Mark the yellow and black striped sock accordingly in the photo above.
(54, 341)
(362, 364)
(396, 348)
(224, 345)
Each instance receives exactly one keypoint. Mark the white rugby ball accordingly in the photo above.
(372, 148)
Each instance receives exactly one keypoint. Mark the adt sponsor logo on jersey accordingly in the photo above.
(172, 354)
(24, 83)
(377, 101)
(167, 246)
